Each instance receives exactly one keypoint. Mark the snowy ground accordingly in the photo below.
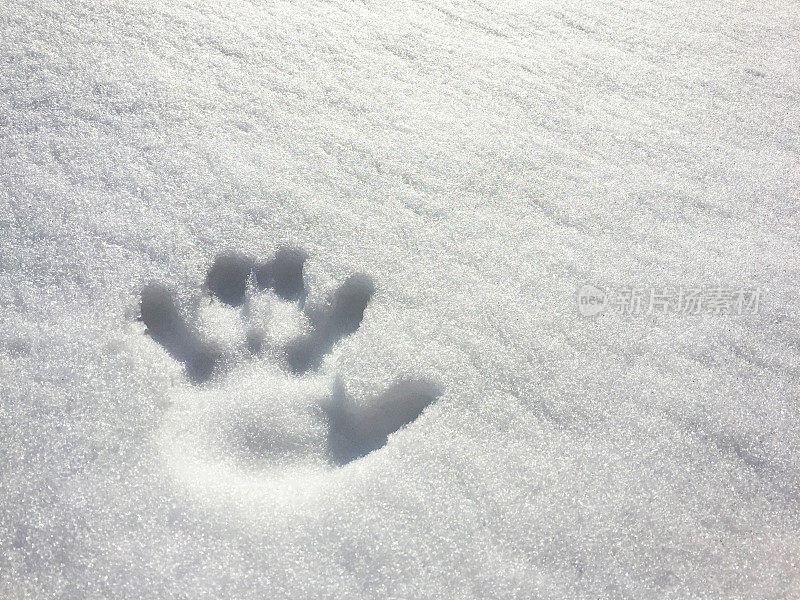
(475, 163)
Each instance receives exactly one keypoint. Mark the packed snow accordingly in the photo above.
(289, 299)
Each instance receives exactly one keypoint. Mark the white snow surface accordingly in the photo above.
(479, 161)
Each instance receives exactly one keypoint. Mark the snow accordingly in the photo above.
(476, 164)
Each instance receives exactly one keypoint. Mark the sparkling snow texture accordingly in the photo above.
(477, 163)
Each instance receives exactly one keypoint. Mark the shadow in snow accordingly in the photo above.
(167, 327)
(355, 431)
(330, 323)
(284, 274)
(227, 277)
